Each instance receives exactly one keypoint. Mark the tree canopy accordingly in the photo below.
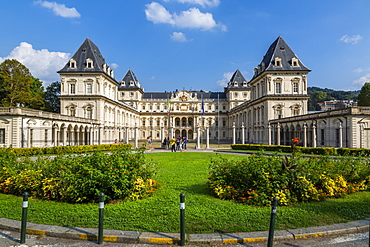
(52, 102)
(18, 87)
(364, 96)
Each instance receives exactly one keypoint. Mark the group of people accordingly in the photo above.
(176, 144)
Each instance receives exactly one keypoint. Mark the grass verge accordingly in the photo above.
(187, 173)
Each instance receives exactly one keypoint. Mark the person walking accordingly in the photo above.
(150, 141)
(164, 143)
(173, 144)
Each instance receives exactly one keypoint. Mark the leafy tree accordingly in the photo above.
(364, 96)
(52, 101)
(37, 94)
(18, 86)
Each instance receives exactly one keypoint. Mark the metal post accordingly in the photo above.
(182, 219)
(24, 217)
(101, 218)
(272, 222)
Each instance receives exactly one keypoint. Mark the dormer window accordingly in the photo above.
(235, 84)
(294, 62)
(89, 63)
(131, 83)
(278, 62)
(244, 83)
(72, 64)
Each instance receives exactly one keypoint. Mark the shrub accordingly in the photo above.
(68, 149)
(257, 179)
(80, 178)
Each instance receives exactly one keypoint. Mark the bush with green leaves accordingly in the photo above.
(120, 175)
(257, 179)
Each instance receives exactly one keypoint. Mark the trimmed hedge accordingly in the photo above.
(304, 150)
(68, 149)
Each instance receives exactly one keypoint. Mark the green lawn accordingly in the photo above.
(187, 173)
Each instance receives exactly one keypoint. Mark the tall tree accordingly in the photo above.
(364, 96)
(37, 95)
(52, 101)
(18, 86)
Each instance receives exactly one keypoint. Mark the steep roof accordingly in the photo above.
(236, 77)
(280, 49)
(127, 79)
(88, 50)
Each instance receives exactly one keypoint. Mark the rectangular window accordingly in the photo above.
(73, 88)
(143, 107)
(278, 87)
(2, 135)
(89, 88)
(46, 137)
(89, 113)
(143, 122)
(295, 87)
(73, 111)
(322, 137)
(278, 114)
(158, 107)
(31, 137)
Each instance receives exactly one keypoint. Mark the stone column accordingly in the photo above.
(91, 135)
(136, 136)
(162, 132)
(340, 135)
(243, 133)
(101, 129)
(126, 133)
(278, 134)
(269, 133)
(314, 138)
(207, 137)
(233, 132)
(198, 138)
(305, 135)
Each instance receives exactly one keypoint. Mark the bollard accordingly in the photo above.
(272, 222)
(24, 217)
(101, 218)
(182, 219)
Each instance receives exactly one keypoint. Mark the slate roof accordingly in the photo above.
(166, 95)
(130, 76)
(237, 77)
(87, 50)
(279, 48)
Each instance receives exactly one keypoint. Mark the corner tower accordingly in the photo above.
(86, 83)
(279, 83)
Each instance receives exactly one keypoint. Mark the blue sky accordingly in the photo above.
(191, 44)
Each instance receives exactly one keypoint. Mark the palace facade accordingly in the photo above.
(271, 108)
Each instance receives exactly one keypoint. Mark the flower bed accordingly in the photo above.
(79, 178)
(257, 179)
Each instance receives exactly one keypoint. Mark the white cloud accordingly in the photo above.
(42, 64)
(354, 39)
(203, 3)
(360, 70)
(360, 81)
(158, 14)
(179, 37)
(192, 18)
(114, 65)
(226, 78)
(59, 9)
